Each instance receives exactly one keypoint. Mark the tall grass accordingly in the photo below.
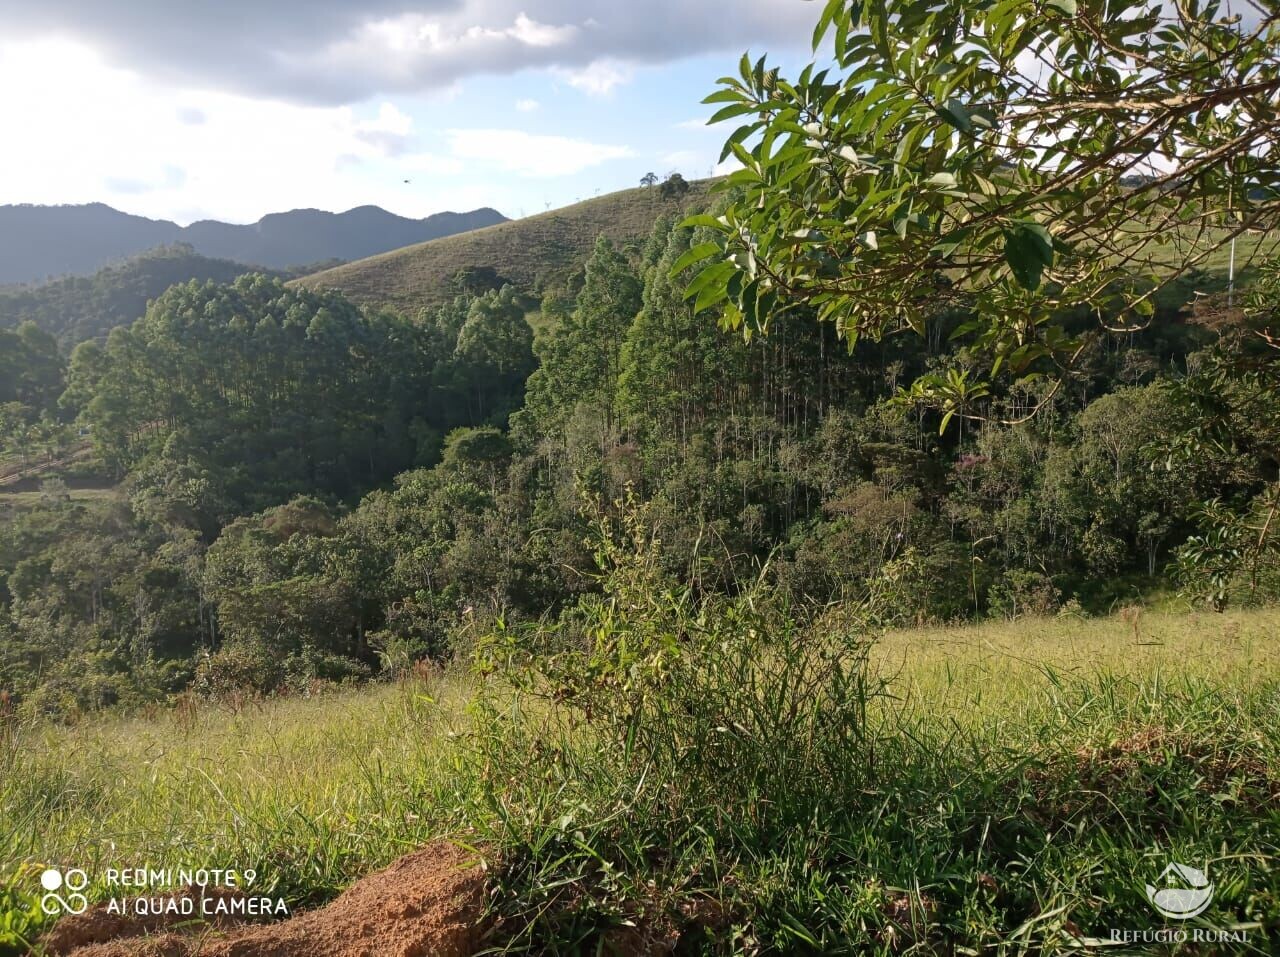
(729, 776)
(720, 776)
(311, 793)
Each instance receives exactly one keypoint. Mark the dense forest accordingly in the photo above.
(76, 308)
(315, 490)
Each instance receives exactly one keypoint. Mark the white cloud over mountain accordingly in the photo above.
(100, 133)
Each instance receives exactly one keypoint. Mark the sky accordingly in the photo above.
(231, 109)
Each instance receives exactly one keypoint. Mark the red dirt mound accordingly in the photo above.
(72, 934)
(426, 904)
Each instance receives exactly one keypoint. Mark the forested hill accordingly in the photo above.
(535, 253)
(77, 308)
(37, 242)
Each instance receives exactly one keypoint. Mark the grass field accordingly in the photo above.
(532, 252)
(980, 672)
(30, 499)
(1021, 782)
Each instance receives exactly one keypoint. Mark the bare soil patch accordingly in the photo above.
(427, 904)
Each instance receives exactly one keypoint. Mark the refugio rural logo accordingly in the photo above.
(1185, 894)
(1180, 892)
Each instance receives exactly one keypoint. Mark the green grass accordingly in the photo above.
(16, 501)
(1013, 783)
(310, 792)
(534, 252)
(976, 673)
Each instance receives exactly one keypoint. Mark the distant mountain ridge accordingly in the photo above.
(37, 242)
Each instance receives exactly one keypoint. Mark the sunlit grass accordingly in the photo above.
(32, 498)
(309, 792)
(540, 250)
(977, 672)
(1057, 759)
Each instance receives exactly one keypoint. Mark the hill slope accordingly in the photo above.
(532, 252)
(41, 241)
(78, 308)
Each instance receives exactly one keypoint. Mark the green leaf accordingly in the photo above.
(832, 8)
(725, 96)
(1068, 7)
(1028, 249)
(716, 274)
(737, 136)
(953, 112)
(1040, 238)
(712, 295)
(701, 219)
(729, 112)
(696, 254)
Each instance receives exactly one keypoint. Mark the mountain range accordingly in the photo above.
(37, 242)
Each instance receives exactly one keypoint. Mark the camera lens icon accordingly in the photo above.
(72, 882)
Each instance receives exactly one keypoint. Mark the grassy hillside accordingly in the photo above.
(534, 252)
(1033, 775)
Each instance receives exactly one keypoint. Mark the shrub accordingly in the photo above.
(249, 667)
(1021, 592)
(667, 724)
(234, 669)
(304, 669)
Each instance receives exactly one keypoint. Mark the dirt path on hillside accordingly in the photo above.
(16, 472)
(427, 904)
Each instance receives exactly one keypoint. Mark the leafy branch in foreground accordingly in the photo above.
(1014, 159)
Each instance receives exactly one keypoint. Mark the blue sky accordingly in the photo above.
(515, 105)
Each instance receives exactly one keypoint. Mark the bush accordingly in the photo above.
(1021, 592)
(251, 668)
(304, 669)
(669, 724)
(235, 669)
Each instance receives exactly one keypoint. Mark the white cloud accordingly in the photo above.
(432, 164)
(390, 119)
(337, 51)
(535, 34)
(599, 77)
(530, 154)
(527, 105)
(388, 132)
(248, 157)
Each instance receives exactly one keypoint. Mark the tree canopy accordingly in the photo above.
(1018, 159)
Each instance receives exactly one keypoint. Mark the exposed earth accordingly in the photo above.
(427, 904)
